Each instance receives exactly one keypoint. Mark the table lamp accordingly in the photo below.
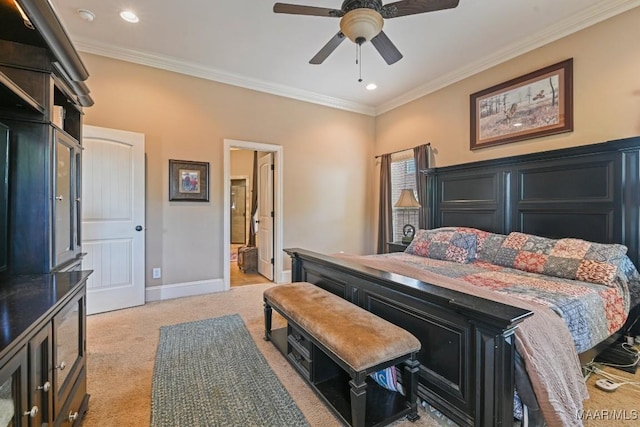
(407, 201)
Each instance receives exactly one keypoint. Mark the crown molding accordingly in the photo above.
(208, 73)
(577, 22)
(562, 29)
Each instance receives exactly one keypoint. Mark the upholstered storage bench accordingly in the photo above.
(335, 345)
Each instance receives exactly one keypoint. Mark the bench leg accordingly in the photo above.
(411, 368)
(358, 400)
(267, 321)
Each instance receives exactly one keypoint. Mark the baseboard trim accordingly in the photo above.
(285, 277)
(179, 290)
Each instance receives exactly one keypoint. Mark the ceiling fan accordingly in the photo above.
(362, 20)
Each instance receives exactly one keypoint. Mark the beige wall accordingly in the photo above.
(242, 164)
(187, 118)
(606, 77)
(606, 80)
(330, 177)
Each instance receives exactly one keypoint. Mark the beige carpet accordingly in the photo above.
(121, 347)
(619, 408)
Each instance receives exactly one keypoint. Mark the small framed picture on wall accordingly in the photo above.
(188, 181)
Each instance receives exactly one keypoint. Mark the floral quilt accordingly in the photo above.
(591, 311)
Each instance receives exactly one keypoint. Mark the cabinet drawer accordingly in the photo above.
(74, 409)
(302, 364)
(296, 336)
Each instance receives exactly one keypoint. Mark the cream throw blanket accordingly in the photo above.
(543, 341)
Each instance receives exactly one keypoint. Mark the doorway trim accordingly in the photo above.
(278, 234)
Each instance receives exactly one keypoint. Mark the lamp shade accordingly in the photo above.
(361, 25)
(407, 199)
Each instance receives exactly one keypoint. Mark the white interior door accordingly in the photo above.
(113, 196)
(265, 216)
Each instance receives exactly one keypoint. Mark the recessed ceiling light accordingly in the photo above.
(129, 16)
(86, 15)
(372, 86)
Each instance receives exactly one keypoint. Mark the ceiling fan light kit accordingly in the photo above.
(361, 25)
(362, 21)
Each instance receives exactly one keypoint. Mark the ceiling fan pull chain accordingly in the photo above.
(359, 61)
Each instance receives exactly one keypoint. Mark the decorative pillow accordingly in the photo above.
(445, 244)
(488, 243)
(567, 258)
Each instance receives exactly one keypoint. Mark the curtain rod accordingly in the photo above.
(399, 151)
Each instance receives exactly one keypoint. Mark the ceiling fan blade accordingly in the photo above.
(296, 9)
(328, 48)
(411, 7)
(387, 49)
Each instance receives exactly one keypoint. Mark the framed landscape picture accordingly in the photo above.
(188, 181)
(536, 104)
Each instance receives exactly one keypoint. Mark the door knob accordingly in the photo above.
(138, 228)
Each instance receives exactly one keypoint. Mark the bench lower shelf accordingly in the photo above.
(331, 384)
(383, 406)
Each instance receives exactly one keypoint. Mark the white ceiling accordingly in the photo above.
(242, 42)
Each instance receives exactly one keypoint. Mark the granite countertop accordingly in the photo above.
(26, 299)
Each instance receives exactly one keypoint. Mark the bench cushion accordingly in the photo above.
(359, 338)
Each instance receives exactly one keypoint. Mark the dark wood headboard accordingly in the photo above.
(590, 192)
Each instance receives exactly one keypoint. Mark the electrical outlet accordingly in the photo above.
(157, 273)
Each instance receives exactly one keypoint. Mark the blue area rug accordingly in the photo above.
(211, 373)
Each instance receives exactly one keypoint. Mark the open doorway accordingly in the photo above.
(243, 264)
(243, 269)
(262, 260)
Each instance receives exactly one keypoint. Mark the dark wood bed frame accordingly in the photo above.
(467, 358)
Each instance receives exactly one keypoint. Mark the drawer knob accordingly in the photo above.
(61, 366)
(32, 413)
(45, 387)
(73, 416)
(59, 198)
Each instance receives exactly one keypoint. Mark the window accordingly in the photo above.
(403, 176)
